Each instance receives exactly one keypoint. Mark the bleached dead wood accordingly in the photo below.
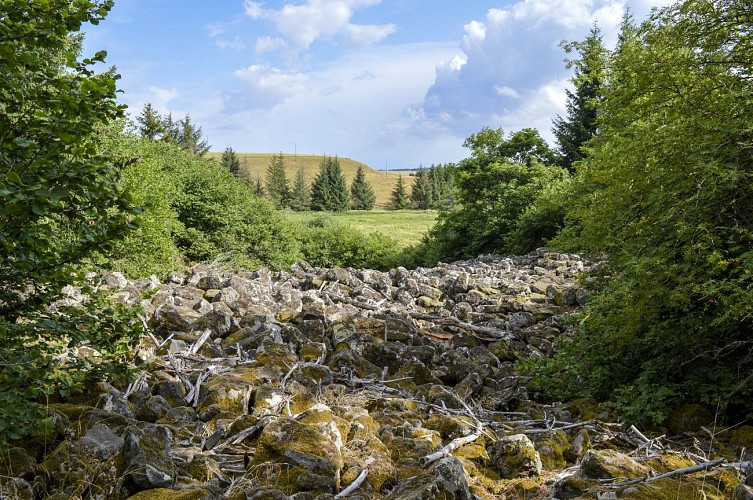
(195, 348)
(672, 473)
(354, 485)
(457, 442)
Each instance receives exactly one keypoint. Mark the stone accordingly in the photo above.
(146, 458)
(608, 464)
(514, 456)
(689, 418)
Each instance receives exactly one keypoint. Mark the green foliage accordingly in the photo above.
(573, 131)
(399, 199)
(300, 197)
(326, 243)
(230, 161)
(329, 191)
(443, 192)
(501, 181)
(421, 190)
(361, 192)
(278, 188)
(669, 199)
(60, 203)
(151, 126)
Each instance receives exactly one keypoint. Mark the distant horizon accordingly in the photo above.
(375, 80)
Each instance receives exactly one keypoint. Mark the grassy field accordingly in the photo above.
(254, 166)
(406, 226)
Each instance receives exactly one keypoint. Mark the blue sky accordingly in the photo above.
(392, 83)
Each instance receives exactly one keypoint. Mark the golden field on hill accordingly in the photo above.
(254, 165)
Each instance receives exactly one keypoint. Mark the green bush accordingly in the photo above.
(325, 243)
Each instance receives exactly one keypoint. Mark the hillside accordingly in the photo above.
(254, 165)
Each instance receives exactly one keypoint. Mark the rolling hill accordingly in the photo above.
(254, 165)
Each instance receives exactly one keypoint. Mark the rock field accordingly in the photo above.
(343, 383)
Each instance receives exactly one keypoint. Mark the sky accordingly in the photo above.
(391, 83)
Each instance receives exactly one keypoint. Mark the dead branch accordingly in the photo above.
(354, 485)
(676, 472)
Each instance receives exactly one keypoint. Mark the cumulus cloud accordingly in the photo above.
(160, 98)
(300, 25)
(510, 68)
(265, 88)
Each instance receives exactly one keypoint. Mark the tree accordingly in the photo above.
(60, 205)
(230, 161)
(191, 138)
(421, 190)
(329, 191)
(399, 199)
(276, 181)
(361, 192)
(151, 123)
(300, 198)
(442, 188)
(580, 124)
(668, 199)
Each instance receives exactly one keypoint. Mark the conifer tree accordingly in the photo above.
(190, 137)
(421, 190)
(573, 131)
(300, 198)
(361, 192)
(329, 191)
(277, 184)
(151, 125)
(230, 161)
(399, 198)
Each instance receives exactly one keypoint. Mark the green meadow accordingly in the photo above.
(405, 226)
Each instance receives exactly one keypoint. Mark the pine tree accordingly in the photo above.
(399, 197)
(442, 192)
(573, 131)
(300, 198)
(259, 187)
(151, 124)
(421, 190)
(329, 190)
(277, 184)
(361, 192)
(230, 161)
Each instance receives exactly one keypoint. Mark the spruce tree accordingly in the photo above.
(190, 137)
(230, 161)
(573, 131)
(421, 190)
(361, 192)
(278, 187)
(300, 198)
(399, 198)
(329, 191)
(151, 125)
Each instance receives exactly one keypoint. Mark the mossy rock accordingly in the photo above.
(608, 464)
(285, 434)
(689, 418)
(514, 456)
(15, 461)
(320, 414)
(168, 494)
(369, 454)
(743, 436)
(552, 449)
(583, 409)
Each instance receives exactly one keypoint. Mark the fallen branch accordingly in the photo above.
(354, 485)
(494, 333)
(676, 472)
(457, 442)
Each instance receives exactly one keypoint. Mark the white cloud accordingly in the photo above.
(265, 88)
(300, 25)
(511, 70)
(160, 98)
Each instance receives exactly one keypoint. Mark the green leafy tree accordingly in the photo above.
(580, 124)
(361, 192)
(421, 190)
(151, 125)
(442, 187)
(60, 205)
(300, 197)
(278, 187)
(230, 161)
(495, 186)
(669, 201)
(399, 199)
(329, 191)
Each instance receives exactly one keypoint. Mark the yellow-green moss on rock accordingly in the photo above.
(168, 494)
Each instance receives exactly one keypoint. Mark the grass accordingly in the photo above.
(254, 166)
(405, 226)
